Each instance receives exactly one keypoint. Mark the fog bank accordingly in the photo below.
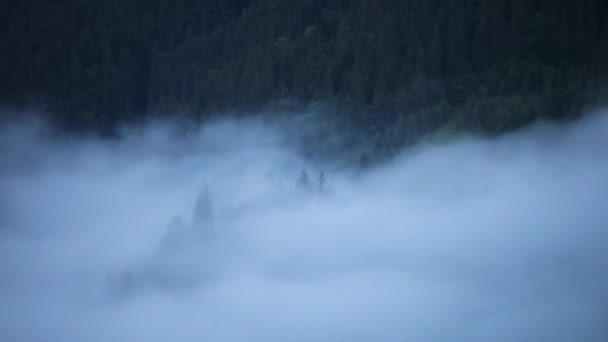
(161, 236)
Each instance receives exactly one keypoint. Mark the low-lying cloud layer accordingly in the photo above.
(475, 240)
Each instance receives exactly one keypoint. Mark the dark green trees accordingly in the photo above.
(423, 64)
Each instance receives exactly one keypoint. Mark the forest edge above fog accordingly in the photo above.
(384, 73)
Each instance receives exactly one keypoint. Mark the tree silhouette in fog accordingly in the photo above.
(321, 183)
(203, 210)
(303, 182)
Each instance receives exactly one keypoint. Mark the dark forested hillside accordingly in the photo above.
(400, 68)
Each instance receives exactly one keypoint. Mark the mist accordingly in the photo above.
(204, 236)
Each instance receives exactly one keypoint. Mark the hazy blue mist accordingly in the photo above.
(472, 240)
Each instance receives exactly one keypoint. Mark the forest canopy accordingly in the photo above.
(397, 70)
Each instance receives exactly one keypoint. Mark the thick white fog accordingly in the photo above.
(162, 236)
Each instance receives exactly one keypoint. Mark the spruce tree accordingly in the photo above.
(303, 181)
(321, 183)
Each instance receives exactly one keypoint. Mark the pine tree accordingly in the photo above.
(321, 183)
(303, 181)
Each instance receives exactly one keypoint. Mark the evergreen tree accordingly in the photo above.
(303, 182)
(321, 183)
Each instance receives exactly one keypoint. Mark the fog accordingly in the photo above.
(204, 236)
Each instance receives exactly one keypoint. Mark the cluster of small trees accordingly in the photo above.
(304, 182)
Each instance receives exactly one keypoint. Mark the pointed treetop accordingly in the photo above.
(321, 183)
(303, 181)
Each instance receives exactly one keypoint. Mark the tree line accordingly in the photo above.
(394, 70)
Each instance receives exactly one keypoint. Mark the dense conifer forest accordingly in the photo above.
(395, 70)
